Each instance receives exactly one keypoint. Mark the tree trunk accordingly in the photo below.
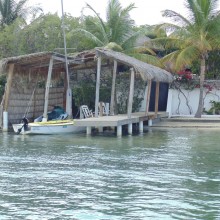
(202, 79)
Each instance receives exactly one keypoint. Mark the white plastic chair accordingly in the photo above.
(87, 113)
(102, 109)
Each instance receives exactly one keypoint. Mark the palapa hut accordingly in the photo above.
(27, 74)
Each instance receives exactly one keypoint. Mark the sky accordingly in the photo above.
(146, 11)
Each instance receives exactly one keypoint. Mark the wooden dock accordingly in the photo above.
(118, 121)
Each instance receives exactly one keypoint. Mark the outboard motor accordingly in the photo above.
(25, 122)
(25, 125)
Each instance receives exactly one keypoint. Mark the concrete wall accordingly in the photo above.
(185, 102)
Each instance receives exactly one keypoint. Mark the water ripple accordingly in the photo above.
(171, 174)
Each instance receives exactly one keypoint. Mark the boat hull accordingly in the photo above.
(49, 128)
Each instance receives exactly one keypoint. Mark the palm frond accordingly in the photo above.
(153, 60)
(140, 50)
(187, 56)
(97, 15)
(94, 26)
(88, 35)
(131, 37)
(176, 17)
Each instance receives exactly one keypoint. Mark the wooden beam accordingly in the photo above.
(97, 85)
(113, 88)
(8, 86)
(157, 97)
(46, 101)
(148, 97)
(131, 94)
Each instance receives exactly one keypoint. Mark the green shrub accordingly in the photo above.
(3, 81)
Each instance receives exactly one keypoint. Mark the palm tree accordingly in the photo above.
(118, 32)
(193, 37)
(10, 10)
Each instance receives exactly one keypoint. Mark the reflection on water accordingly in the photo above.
(161, 174)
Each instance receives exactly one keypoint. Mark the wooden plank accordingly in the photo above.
(131, 94)
(47, 89)
(97, 86)
(148, 97)
(113, 88)
(8, 86)
(157, 97)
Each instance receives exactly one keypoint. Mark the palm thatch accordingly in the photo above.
(33, 59)
(41, 59)
(147, 71)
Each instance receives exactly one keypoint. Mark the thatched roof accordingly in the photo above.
(29, 59)
(36, 60)
(41, 60)
(147, 71)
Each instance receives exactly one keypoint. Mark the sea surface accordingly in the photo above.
(160, 174)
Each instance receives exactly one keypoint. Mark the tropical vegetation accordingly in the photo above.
(192, 38)
(10, 10)
(117, 32)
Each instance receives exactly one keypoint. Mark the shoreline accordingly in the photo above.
(187, 122)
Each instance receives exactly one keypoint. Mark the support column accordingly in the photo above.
(148, 97)
(150, 122)
(169, 102)
(46, 101)
(131, 93)
(119, 130)
(5, 121)
(97, 86)
(130, 128)
(8, 86)
(157, 97)
(88, 130)
(113, 88)
(7, 95)
(141, 126)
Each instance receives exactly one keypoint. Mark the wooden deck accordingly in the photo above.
(118, 121)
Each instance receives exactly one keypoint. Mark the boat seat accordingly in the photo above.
(87, 113)
(62, 116)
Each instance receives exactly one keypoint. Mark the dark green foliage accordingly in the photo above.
(213, 65)
(43, 34)
(215, 109)
(2, 85)
(84, 94)
(122, 89)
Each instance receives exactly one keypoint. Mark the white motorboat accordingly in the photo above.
(49, 127)
(53, 122)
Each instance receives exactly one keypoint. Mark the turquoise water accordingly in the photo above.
(161, 174)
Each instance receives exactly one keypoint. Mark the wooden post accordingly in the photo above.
(8, 86)
(131, 94)
(148, 97)
(97, 86)
(113, 88)
(46, 101)
(157, 97)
